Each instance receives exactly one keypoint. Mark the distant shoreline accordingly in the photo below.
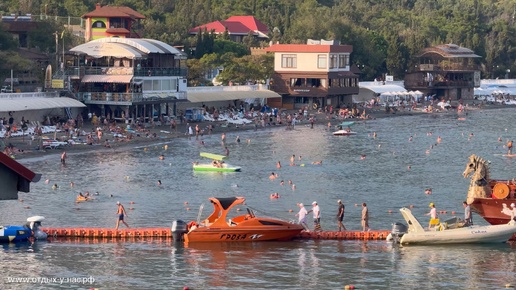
(181, 129)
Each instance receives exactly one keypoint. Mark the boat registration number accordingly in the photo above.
(234, 237)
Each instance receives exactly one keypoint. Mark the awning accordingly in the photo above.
(117, 50)
(35, 103)
(207, 96)
(121, 79)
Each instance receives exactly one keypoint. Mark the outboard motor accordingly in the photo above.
(34, 223)
(178, 230)
(398, 230)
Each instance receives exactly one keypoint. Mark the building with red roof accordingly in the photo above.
(112, 21)
(14, 177)
(315, 74)
(237, 28)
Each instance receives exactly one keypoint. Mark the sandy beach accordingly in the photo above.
(25, 147)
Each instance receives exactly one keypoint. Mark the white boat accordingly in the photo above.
(449, 232)
(344, 133)
(217, 164)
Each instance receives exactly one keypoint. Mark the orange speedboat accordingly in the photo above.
(222, 226)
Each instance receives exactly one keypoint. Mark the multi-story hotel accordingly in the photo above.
(314, 74)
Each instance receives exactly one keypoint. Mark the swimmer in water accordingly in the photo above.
(162, 157)
(159, 182)
(272, 176)
(278, 165)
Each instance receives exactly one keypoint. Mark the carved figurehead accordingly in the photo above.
(479, 187)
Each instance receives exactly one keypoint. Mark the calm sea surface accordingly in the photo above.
(395, 173)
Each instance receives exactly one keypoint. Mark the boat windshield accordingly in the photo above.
(201, 208)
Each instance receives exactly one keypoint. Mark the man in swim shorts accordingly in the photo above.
(120, 212)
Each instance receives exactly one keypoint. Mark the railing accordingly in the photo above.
(246, 88)
(160, 71)
(28, 95)
(444, 66)
(144, 71)
(128, 98)
(423, 84)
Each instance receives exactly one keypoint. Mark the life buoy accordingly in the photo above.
(314, 106)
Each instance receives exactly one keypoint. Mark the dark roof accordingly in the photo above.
(19, 26)
(309, 48)
(449, 51)
(19, 168)
(33, 54)
(113, 11)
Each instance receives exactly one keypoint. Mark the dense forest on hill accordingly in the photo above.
(385, 34)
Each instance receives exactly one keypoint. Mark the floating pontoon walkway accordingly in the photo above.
(165, 233)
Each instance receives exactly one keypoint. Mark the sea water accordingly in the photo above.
(394, 174)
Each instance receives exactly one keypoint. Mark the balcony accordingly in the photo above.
(128, 98)
(446, 66)
(80, 71)
(438, 84)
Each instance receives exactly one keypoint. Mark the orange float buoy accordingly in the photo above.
(501, 190)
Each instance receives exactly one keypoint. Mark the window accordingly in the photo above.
(288, 61)
(298, 82)
(314, 83)
(333, 61)
(343, 60)
(98, 24)
(322, 61)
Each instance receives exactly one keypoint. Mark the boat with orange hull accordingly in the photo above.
(489, 198)
(492, 208)
(223, 225)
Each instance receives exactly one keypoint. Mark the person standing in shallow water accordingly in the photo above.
(63, 158)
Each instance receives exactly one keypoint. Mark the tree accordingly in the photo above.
(43, 37)
(7, 41)
(396, 57)
(196, 72)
